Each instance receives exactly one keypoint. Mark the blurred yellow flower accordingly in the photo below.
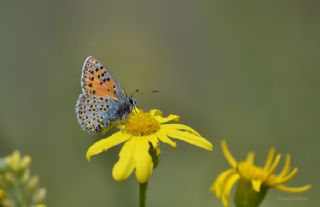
(259, 177)
(141, 133)
(2, 194)
(18, 187)
(16, 162)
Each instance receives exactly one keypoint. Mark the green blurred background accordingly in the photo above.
(247, 71)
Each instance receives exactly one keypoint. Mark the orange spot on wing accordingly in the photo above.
(100, 87)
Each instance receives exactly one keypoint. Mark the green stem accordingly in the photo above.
(143, 194)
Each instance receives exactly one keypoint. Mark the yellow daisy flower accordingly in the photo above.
(261, 178)
(142, 132)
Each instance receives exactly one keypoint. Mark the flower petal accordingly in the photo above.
(269, 159)
(125, 165)
(142, 159)
(286, 166)
(190, 138)
(250, 158)
(164, 138)
(293, 189)
(227, 154)
(107, 143)
(256, 185)
(287, 177)
(182, 127)
(228, 186)
(155, 112)
(273, 166)
(171, 117)
(154, 140)
(219, 184)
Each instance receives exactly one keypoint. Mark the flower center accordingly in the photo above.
(251, 172)
(141, 124)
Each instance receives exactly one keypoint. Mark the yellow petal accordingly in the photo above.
(155, 112)
(142, 159)
(273, 166)
(269, 159)
(218, 185)
(158, 151)
(164, 138)
(228, 186)
(125, 165)
(107, 143)
(171, 117)
(256, 185)
(286, 166)
(272, 180)
(153, 139)
(250, 157)
(182, 127)
(227, 154)
(293, 189)
(288, 177)
(190, 138)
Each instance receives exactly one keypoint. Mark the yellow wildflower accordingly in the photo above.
(142, 132)
(2, 194)
(259, 177)
(18, 187)
(16, 162)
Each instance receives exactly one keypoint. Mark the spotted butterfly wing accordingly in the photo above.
(102, 97)
(97, 80)
(95, 112)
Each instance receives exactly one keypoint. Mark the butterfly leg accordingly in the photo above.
(120, 125)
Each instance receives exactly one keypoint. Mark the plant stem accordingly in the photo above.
(143, 194)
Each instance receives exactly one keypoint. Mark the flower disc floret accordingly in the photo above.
(251, 172)
(141, 124)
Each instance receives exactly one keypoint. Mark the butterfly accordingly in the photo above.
(103, 101)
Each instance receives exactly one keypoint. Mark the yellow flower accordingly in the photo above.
(18, 184)
(2, 194)
(16, 162)
(259, 177)
(142, 132)
(40, 205)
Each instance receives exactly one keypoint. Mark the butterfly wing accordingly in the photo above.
(97, 80)
(95, 113)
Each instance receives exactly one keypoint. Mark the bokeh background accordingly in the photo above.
(247, 71)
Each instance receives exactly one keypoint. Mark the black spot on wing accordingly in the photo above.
(91, 113)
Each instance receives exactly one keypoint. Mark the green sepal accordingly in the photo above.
(246, 196)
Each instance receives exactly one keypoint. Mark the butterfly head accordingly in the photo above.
(132, 101)
(125, 108)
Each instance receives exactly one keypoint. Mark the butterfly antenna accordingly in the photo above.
(138, 91)
(134, 92)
